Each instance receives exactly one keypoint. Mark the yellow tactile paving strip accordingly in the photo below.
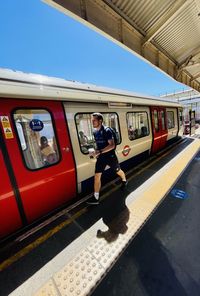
(83, 271)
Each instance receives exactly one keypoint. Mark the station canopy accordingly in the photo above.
(164, 32)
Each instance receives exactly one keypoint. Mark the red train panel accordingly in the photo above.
(159, 128)
(41, 189)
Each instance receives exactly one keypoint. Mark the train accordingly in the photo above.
(45, 134)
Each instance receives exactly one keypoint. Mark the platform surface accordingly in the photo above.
(140, 241)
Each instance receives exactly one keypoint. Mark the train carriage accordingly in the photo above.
(46, 131)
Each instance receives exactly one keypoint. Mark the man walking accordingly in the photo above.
(105, 155)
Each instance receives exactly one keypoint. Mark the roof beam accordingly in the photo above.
(196, 76)
(164, 20)
(190, 65)
(196, 53)
(183, 66)
(124, 16)
(192, 60)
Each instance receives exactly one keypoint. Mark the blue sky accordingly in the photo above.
(37, 38)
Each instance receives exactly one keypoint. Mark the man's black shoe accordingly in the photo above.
(124, 184)
(92, 201)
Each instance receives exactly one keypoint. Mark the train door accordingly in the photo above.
(159, 128)
(40, 153)
(163, 127)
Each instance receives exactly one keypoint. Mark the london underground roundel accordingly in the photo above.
(36, 125)
(126, 150)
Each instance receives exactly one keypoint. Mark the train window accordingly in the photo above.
(163, 120)
(155, 119)
(180, 117)
(85, 129)
(138, 126)
(170, 119)
(85, 134)
(37, 137)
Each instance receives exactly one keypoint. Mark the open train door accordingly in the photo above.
(37, 141)
(159, 127)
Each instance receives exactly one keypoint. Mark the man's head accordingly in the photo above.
(97, 120)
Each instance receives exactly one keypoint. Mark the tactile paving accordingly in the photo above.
(48, 289)
(79, 276)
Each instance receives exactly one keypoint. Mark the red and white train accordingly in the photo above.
(45, 133)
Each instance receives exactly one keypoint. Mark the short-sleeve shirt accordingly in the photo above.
(47, 150)
(102, 137)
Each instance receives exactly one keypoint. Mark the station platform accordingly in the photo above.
(143, 240)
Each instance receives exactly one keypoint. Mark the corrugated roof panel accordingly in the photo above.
(143, 12)
(181, 36)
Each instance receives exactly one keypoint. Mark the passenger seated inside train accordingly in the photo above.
(131, 133)
(48, 154)
(169, 123)
(144, 131)
(83, 141)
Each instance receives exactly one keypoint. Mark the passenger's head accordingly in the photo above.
(97, 119)
(81, 133)
(43, 141)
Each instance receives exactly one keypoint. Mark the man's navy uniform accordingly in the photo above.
(109, 158)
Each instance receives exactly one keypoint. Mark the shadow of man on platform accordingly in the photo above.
(116, 216)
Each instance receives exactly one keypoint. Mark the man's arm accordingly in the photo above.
(111, 146)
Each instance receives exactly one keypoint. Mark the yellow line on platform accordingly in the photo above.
(169, 176)
(39, 241)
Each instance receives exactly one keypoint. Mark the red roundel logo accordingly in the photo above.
(126, 150)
